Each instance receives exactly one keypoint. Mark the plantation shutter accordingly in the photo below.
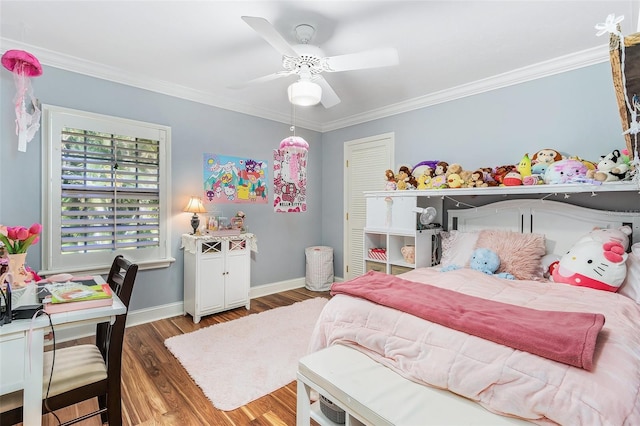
(110, 192)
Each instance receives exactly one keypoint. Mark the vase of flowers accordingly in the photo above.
(16, 241)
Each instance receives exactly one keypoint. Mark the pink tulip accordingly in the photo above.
(12, 232)
(22, 233)
(35, 240)
(35, 229)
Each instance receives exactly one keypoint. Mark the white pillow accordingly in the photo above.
(457, 247)
(631, 285)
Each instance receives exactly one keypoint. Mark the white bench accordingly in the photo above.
(372, 394)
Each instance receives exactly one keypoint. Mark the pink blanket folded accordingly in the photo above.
(567, 337)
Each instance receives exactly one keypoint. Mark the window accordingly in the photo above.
(106, 191)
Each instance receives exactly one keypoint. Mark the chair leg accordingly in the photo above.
(114, 409)
(102, 402)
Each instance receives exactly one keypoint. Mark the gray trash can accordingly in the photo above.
(319, 275)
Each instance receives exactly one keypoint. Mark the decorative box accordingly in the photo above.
(378, 253)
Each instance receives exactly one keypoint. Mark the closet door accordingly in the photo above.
(365, 163)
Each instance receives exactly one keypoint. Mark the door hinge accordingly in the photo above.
(347, 215)
(347, 269)
(347, 163)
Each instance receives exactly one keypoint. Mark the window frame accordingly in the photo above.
(53, 261)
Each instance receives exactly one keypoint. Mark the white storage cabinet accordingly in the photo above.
(217, 276)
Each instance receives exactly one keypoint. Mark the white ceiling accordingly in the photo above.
(196, 49)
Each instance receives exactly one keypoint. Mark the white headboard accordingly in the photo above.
(562, 224)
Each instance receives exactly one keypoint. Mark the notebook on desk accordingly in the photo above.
(72, 296)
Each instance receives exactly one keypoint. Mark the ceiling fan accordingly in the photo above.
(308, 63)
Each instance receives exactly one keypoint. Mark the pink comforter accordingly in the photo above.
(568, 337)
(504, 380)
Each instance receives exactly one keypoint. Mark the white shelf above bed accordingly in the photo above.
(511, 190)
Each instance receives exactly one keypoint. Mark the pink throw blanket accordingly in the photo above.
(567, 337)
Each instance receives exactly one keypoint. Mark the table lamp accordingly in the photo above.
(195, 206)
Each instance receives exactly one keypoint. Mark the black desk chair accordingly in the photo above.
(83, 372)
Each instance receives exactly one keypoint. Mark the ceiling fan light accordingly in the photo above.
(304, 93)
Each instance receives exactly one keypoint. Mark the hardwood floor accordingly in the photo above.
(156, 390)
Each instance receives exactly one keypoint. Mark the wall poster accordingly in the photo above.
(289, 181)
(234, 180)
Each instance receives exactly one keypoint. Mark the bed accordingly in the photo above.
(589, 376)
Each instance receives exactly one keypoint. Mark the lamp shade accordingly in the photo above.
(294, 144)
(195, 206)
(304, 93)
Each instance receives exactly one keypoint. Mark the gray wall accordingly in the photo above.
(574, 112)
(196, 129)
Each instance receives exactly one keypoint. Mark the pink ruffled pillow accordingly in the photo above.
(520, 254)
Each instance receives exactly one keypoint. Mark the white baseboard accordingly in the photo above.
(143, 316)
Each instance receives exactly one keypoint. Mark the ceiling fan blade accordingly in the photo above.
(329, 96)
(262, 79)
(266, 30)
(368, 59)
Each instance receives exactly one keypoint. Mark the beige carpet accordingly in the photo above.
(242, 360)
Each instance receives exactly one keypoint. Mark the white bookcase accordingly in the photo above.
(216, 274)
(392, 223)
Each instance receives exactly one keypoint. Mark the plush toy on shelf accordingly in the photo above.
(412, 182)
(524, 166)
(565, 171)
(611, 168)
(454, 180)
(477, 179)
(512, 178)
(499, 172)
(440, 179)
(391, 184)
(484, 260)
(546, 156)
(401, 180)
(424, 180)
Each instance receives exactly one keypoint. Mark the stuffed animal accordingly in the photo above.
(499, 172)
(483, 260)
(412, 183)
(546, 156)
(602, 235)
(423, 167)
(391, 180)
(487, 176)
(465, 175)
(477, 180)
(611, 168)
(512, 178)
(593, 264)
(453, 168)
(565, 171)
(441, 168)
(524, 166)
(539, 169)
(401, 180)
(424, 181)
(454, 180)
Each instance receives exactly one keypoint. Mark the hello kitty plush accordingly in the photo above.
(603, 235)
(593, 264)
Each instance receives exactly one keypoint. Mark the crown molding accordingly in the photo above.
(117, 75)
(540, 70)
(559, 65)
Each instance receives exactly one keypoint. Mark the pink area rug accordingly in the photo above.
(242, 360)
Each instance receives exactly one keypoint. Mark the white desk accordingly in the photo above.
(22, 352)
